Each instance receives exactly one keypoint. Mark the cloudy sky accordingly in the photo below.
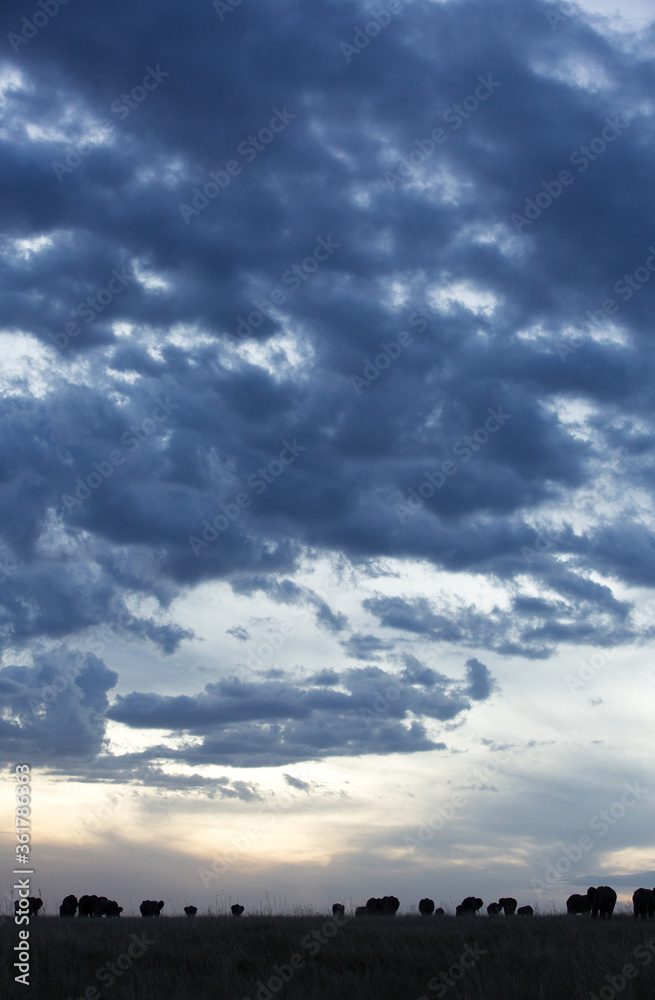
(327, 542)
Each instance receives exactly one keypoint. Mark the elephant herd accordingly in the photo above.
(597, 901)
(600, 902)
(507, 905)
(100, 906)
(388, 905)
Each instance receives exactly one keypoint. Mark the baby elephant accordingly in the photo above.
(236, 909)
(190, 910)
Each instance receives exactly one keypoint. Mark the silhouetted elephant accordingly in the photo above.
(85, 906)
(603, 901)
(338, 908)
(34, 905)
(104, 907)
(508, 905)
(578, 904)
(236, 909)
(643, 901)
(468, 907)
(426, 907)
(68, 906)
(151, 908)
(190, 910)
(494, 909)
(439, 912)
(525, 911)
(361, 911)
(383, 907)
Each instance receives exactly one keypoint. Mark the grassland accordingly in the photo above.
(311, 958)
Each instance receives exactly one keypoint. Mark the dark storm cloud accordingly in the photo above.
(260, 723)
(55, 708)
(335, 221)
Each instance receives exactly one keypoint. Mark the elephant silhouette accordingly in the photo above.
(576, 904)
(525, 911)
(361, 911)
(104, 907)
(68, 907)
(190, 910)
(494, 909)
(236, 909)
(439, 912)
(508, 906)
(603, 901)
(426, 907)
(338, 908)
(385, 906)
(468, 907)
(151, 908)
(86, 905)
(643, 902)
(34, 905)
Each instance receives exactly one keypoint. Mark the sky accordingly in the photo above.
(327, 546)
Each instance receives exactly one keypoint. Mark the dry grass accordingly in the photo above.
(551, 957)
